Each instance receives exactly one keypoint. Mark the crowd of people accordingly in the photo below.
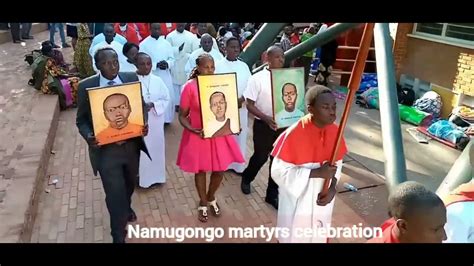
(167, 58)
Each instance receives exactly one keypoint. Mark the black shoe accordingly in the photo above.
(17, 41)
(245, 187)
(273, 202)
(132, 217)
(65, 45)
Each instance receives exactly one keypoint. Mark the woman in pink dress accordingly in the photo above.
(198, 155)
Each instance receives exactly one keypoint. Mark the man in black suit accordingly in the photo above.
(117, 163)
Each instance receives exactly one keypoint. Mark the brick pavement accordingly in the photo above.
(27, 128)
(75, 211)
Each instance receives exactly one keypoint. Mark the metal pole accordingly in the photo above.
(260, 42)
(395, 168)
(354, 83)
(461, 172)
(316, 41)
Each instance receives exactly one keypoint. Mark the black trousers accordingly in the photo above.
(118, 170)
(15, 30)
(25, 30)
(305, 62)
(263, 139)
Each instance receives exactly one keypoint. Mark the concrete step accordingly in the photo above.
(6, 36)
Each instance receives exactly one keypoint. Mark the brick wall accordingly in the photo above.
(464, 80)
(400, 46)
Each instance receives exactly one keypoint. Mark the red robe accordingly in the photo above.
(304, 142)
(388, 235)
(131, 33)
(144, 30)
(165, 29)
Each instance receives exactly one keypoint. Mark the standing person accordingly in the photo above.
(52, 32)
(100, 37)
(25, 31)
(82, 58)
(157, 99)
(129, 31)
(130, 51)
(307, 58)
(161, 54)
(109, 41)
(327, 59)
(258, 96)
(143, 30)
(206, 47)
(198, 155)
(117, 163)
(301, 164)
(285, 41)
(15, 31)
(201, 30)
(182, 41)
(230, 64)
(71, 31)
(418, 216)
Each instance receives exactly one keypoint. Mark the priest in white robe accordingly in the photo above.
(162, 59)
(109, 41)
(202, 29)
(232, 64)
(182, 41)
(300, 167)
(155, 94)
(206, 44)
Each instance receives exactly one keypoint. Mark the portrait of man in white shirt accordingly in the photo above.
(290, 114)
(220, 126)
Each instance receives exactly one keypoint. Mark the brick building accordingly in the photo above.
(439, 57)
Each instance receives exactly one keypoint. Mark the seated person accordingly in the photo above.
(51, 78)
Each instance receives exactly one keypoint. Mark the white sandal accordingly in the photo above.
(216, 209)
(204, 214)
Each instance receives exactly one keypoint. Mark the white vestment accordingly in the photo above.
(154, 171)
(243, 74)
(197, 43)
(118, 48)
(216, 55)
(127, 67)
(159, 50)
(297, 209)
(460, 222)
(101, 37)
(176, 39)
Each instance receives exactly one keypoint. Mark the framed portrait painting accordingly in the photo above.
(288, 90)
(219, 104)
(117, 112)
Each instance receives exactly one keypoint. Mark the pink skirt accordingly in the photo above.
(196, 154)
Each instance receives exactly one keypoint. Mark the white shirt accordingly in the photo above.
(259, 90)
(118, 48)
(105, 82)
(216, 55)
(213, 126)
(237, 66)
(286, 119)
